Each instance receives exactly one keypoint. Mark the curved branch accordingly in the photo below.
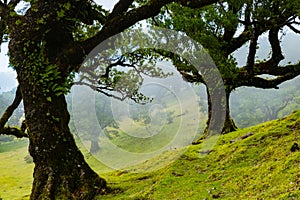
(283, 73)
(13, 132)
(122, 22)
(294, 29)
(10, 109)
(121, 7)
(266, 83)
(8, 113)
(118, 24)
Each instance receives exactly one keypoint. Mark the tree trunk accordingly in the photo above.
(60, 169)
(94, 146)
(229, 124)
(216, 113)
(213, 117)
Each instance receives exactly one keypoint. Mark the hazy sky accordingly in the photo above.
(107, 4)
(4, 58)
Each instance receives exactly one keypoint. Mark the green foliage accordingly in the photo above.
(206, 26)
(86, 31)
(120, 71)
(51, 81)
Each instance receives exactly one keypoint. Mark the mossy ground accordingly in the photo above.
(261, 166)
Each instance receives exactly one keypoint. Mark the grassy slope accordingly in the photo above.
(259, 167)
(15, 173)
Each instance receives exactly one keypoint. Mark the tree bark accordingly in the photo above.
(216, 115)
(229, 124)
(60, 169)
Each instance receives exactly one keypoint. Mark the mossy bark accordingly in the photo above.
(229, 124)
(60, 169)
(214, 118)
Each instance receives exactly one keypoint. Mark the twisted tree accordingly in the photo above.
(226, 26)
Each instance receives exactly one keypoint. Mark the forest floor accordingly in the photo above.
(261, 166)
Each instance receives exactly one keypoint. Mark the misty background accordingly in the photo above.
(249, 106)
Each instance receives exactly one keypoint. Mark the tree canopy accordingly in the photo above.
(224, 27)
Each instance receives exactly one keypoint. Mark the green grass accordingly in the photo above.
(258, 167)
(11, 146)
(15, 173)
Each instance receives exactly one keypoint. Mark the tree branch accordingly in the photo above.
(2, 31)
(275, 45)
(4, 10)
(238, 42)
(13, 3)
(121, 7)
(274, 70)
(120, 23)
(266, 83)
(74, 54)
(10, 109)
(252, 53)
(8, 113)
(229, 31)
(283, 73)
(294, 29)
(13, 132)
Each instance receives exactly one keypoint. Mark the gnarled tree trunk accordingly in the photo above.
(60, 169)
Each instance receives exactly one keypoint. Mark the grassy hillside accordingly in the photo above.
(258, 167)
(15, 173)
(261, 166)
